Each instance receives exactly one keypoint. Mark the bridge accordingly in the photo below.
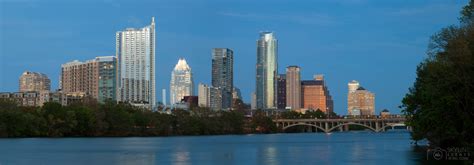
(328, 125)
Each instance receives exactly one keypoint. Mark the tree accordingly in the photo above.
(311, 114)
(439, 105)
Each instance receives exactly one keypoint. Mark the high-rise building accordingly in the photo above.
(135, 52)
(34, 81)
(216, 98)
(360, 100)
(236, 93)
(353, 85)
(281, 91)
(182, 83)
(293, 87)
(222, 78)
(96, 78)
(316, 95)
(267, 71)
(204, 95)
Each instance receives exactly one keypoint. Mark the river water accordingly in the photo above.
(355, 147)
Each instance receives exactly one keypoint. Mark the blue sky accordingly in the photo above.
(378, 43)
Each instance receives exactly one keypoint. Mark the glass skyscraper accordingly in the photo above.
(135, 52)
(267, 71)
(222, 78)
(182, 83)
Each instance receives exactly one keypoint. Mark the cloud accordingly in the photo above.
(299, 18)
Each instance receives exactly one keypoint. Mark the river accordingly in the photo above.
(355, 147)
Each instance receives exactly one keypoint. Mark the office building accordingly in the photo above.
(360, 99)
(204, 95)
(293, 87)
(253, 102)
(267, 71)
(222, 78)
(236, 93)
(315, 95)
(182, 83)
(135, 52)
(281, 91)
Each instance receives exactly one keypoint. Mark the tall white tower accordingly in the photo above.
(135, 52)
(266, 71)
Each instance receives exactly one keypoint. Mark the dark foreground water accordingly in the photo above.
(391, 147)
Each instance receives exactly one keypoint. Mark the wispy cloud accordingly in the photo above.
(299, 18)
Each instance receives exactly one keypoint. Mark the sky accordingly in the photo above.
(378, 43)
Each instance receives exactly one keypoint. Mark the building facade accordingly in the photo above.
(182, 83)
(215, 99)
(34, 81)
(360, 99)
(236, 93)
(315, 95)
(293, 87)
(204, 95)
(267, 71)
(135, 52)
(281, 91)
(95, 78)
(38, 98)
(222, 78)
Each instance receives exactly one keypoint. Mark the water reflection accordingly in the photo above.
(181, 158)
(310, 148)
(136, 158)
(270, 155)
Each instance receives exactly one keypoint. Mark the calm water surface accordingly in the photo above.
(392, 147)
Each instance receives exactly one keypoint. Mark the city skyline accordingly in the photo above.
(372, 78)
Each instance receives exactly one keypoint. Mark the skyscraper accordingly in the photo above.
(96, 78)
(222, 78)
(281, 91)
(315, 95)
(359, 100)
(293, 87)
(135, 52)
(182, 83)
(204, 95)
(34, 81)
(267, 71)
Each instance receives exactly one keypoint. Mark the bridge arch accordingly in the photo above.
(306, 124)
(352, 123)
(391, 125)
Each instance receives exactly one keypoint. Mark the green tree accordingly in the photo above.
(439, 105)
(311, 114)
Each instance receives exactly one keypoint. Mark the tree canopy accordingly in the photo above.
(440, 104)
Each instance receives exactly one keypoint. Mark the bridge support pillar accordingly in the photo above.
(377, 126)
(326, 127)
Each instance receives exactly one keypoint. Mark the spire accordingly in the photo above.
(182, 65)
(153, 20)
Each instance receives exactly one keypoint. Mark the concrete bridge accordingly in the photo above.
(328, 125)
